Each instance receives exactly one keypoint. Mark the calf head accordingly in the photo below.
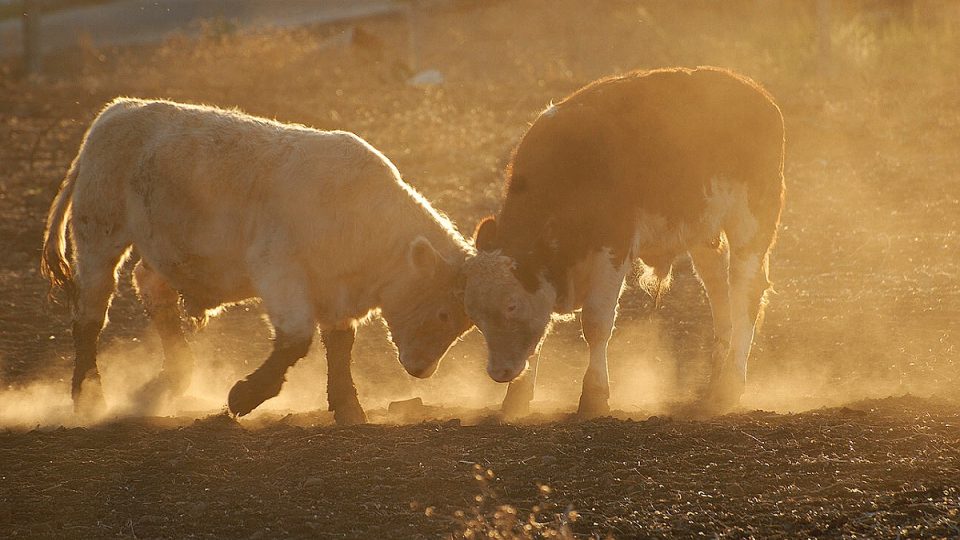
(423, 308)
(513, 317)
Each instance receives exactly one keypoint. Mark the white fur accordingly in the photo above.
(744, 272)
(227, 206)
(727, 208)
(598, 316)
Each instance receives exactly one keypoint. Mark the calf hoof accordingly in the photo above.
(88, 401)
(724, 392)
(153, 396)
(247, 395)
(156, 394)
(515, 405)
(593, 405)
(351, 415)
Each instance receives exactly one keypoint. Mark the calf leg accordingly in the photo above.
(520, 392)
(95, 279)
(748, 284)
(92, 302)
(712, 266)
(286, 300)
(597, 319)
(341, 392)
(162, 304)
(265, 382)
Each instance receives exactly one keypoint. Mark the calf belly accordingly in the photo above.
(205, 281)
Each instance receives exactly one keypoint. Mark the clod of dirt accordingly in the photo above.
(407, 408)
(222, 419)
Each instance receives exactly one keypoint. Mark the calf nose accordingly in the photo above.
(422, 372)
(502, 375)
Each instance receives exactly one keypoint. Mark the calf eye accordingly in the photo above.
(511, 308)
(443, 316)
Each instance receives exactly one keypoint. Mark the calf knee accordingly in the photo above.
(85, 336)
(293, 347)
(338, 343)
(749, 277)
(597, 328)
(153, 290)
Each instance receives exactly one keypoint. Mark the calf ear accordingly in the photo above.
(485, 237)
(422, 257)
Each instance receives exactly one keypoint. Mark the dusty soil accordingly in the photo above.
(881, 469)
(865, 270)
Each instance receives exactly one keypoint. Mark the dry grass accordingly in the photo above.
(488, 517)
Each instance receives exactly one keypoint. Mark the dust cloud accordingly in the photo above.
(126, 367)
(658, 364)
(39, 404)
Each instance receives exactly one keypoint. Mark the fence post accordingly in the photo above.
(31, 37)
(414, 25)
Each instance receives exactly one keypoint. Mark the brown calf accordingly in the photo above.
(644, 167)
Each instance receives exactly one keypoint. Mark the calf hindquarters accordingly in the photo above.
(100, 244)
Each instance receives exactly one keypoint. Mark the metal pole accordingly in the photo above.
(31, 37)
(414, 25)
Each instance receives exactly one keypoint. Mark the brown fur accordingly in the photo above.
(647, 141)
(644, 166)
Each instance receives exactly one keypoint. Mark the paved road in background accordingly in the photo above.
(147, 21)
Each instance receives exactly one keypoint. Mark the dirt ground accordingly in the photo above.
(882, 469)
(851, 422)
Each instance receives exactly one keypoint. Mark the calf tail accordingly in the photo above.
(54, 264)
(656, 279)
